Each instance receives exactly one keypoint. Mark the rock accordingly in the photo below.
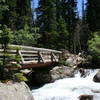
(61, 72)
(84, 72)
(85, 97)
(96, 78)
(70, 61)
(74, 60)
(15, 91)
(56, 73)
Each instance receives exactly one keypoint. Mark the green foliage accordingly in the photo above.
(46, 20)
(56, 19)
(26, 36)
(94, 44)
(20, 77)
(18, 15)
(15, 65)
(3, 7)
(5, 38)
(10, 62)
(93, 15)
(5, 35)
(1, 63)
(62, 62)
(63, 34)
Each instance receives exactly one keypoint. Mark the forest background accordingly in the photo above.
(52, 24)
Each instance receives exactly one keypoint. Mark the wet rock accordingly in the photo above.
(84, 72)
(85, 97)
(61, 72)
(96, 78)
(15, 91)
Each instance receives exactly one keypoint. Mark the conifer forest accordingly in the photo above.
(54, 24)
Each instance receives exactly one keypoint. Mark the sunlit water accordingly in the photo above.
(69, 88)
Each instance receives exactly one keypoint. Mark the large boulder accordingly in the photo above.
(56, 73)
(15, 91)
(86, 97)
(96, 78)
(60, 72)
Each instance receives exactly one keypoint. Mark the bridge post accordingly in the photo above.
(51, 57)
(60, 56)
(22, 59)
(40, 57)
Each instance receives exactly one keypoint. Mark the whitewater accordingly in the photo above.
(69, 88)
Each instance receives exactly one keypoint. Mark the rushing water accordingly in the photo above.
(69, 88)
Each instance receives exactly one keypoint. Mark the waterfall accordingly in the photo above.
(69, 88)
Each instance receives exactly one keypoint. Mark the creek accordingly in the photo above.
(69, 88)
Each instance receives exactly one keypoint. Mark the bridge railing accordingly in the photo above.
(33, 54)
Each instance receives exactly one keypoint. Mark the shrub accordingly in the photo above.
(63, 62)
(94, 45)
(26, 37)
(20, 77)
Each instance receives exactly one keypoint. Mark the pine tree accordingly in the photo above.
(81, 34)
(25, 13)
(63, 33)
(10, 16)
(93, 14)
(62, 29)
(3, 7)
(19, 14)
(70, 16)
(46, 16)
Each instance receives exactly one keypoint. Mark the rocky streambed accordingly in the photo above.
(79, 87)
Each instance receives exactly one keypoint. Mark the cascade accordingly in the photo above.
(69, 88)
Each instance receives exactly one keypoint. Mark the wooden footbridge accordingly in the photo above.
(33, 57)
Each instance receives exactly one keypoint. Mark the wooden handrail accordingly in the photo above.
(34, 54)
(36, 49)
